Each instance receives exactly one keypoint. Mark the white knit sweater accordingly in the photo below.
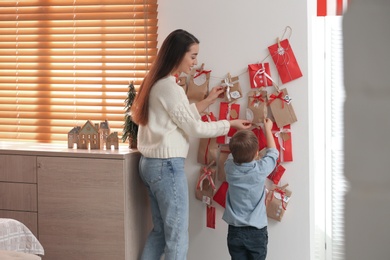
(172, 119)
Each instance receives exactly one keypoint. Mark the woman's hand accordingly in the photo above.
(210, 99)
(240, 124)
(214, 93)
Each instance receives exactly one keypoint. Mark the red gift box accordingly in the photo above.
(276, 174)
(283, 142)
(285, 61)
(229, 111)
(259, 75)
(258, 131)
(220, 195)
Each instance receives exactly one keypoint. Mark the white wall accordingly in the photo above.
(234, 34)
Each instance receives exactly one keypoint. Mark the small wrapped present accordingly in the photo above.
(281, 107)
(182, 82)
(222, 157)
(285, 61)
(276, 202)
(259, 132)
(283, 142)
(277, 174)
(198, 86)
(220, 195)
(260, 75)
(208, 147)
(232, 88)
(257, 106)
(229, 111)
(205, 186)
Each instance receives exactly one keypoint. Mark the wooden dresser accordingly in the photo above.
(81, 204)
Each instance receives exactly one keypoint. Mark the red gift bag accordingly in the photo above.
(277, 174)
(285, 61)
(210, 216)
(229, 111)
(220, 195)
(283, 142)
(259, 75)
(261, 137)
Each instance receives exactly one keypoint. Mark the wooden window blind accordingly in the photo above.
(64, 62)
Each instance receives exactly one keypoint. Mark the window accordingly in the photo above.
(67, 61)
(328, 131)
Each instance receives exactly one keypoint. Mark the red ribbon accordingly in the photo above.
(282, 193)
(206, 175)
(274, 97)
(257, 99)
(200, 72)
(207, 151)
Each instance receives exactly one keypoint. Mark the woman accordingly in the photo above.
(166, 119)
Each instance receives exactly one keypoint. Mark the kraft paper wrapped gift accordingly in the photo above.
(222, 157)
(198, 85)
(205, 186)
(276, 202)
(232, 88)
(182, 82)
(280, 104)
(257, 106)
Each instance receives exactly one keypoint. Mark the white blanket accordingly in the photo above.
(15, 236)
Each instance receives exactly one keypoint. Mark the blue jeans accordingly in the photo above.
(168, 192)
(247, 243)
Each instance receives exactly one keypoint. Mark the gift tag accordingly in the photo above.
(210, 215)
(235, 94)
(200, 79)
(249, 115)
(206, 200)
(233, 114)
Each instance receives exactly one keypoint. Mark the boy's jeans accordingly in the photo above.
(247, 243)
(168, 192)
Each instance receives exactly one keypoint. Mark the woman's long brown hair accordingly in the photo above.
(169, 57)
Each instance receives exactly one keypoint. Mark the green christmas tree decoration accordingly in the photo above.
(130, 129)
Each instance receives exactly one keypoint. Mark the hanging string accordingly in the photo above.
(288, 30)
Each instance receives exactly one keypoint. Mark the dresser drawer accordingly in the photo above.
(29, 219)
(18, 196)
(18, 168)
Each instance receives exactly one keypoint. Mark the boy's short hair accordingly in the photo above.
(244, 145)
